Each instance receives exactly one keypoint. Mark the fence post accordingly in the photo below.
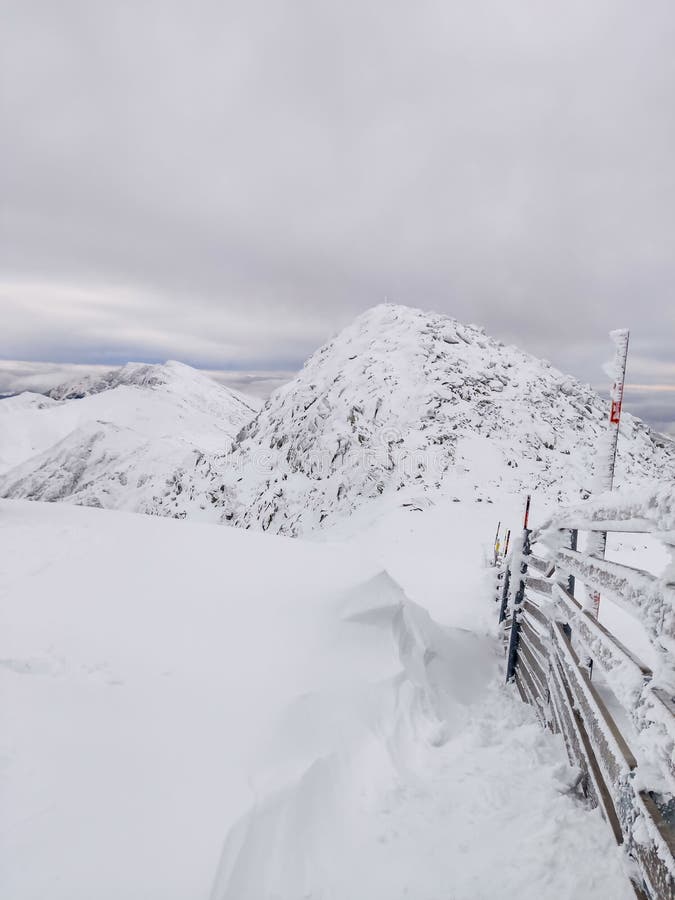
(517, 601)
(505, 594)
(574, 535)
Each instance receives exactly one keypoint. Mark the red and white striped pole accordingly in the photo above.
(605, 472)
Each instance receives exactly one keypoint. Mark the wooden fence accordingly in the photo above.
(616, 715)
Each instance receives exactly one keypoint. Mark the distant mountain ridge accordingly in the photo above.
(115, 440)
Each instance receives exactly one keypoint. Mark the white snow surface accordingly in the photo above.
(116, 440)
(192, 711)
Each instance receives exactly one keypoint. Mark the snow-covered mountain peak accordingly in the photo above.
(404, 401)
(171, 375)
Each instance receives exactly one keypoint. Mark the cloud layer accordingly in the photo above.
(230, 183)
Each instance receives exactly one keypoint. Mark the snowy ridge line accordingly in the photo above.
(171, 374)
(628, 765)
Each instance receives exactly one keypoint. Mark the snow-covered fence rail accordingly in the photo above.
(615, 712)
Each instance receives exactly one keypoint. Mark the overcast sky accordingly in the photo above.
(230, 183)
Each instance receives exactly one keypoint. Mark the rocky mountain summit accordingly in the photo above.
(404, 403)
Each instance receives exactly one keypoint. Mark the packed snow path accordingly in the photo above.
(170, 689)
(480, 806)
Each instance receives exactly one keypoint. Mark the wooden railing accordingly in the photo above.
(615, 713)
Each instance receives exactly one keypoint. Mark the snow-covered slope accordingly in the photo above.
(24, 429)
(115, 440)
(403, 402)
(187, 707)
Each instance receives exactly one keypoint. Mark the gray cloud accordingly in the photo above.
(229, 183)
(258, 384)
(653, 404)
(17, 376)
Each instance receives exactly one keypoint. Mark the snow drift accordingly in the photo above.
(191, 710)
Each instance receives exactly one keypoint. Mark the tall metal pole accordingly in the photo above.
(605, 473)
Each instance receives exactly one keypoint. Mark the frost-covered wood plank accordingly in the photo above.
(656, 855)
(521, 690)
(665, 698)
(579, 522)
(554, 721)
(582, 750)
(539, 584)
(638, 510)
(532, 609)
(551, 678)
(537, 647)
(616, 757)
(649, 708)
(626, 674)
(649, 599)
(541, 565)
(646, 834)
(534, 638)
(531, 694)
(537, 674)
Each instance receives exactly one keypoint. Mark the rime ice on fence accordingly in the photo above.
(648, 509)
(620, 727)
